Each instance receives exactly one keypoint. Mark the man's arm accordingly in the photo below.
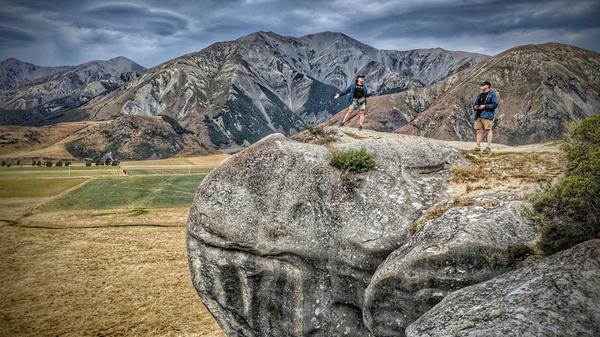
(493, 103)
(347, 91)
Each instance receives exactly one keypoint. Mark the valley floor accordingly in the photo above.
(100, 253)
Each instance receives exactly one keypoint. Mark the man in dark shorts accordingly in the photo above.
(358, 100)
(484, 112)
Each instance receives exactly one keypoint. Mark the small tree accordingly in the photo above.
(59, 163)
(48, 163)
(39, 163)
(3, 163)
(567, 213)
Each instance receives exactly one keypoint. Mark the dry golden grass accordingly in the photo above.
(353, 135)
(97, 272)
(508, 169)
(100, 281)
(511, 170)
(170, 216)
(33, 188)
(11, 209)
(208, 161)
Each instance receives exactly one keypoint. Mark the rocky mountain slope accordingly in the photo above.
(31, 93)
(540, 88)
(126, 137)
(281, 243)
(14, 73)
(235, 92)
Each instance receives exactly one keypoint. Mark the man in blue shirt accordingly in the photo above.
(484, 109)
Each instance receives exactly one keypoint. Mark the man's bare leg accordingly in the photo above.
(479, 138)
(489, 138)
(347, 115)
(361, 118)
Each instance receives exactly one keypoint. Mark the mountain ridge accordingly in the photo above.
(540, 87)
(34, 93)
(235, 92)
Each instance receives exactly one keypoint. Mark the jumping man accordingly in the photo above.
(358, 99)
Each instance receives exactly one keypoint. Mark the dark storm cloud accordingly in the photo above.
(14, 37)
(152, 31)
(133, 18)
(491, 18)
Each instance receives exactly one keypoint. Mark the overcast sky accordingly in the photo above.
(59, 32)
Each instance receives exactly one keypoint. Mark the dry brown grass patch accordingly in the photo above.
(353, 135)
(318, 135)
(102, 281)
(498, 168)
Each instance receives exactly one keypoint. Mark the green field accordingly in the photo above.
(130, 192)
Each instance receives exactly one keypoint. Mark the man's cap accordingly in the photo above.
(486, 83)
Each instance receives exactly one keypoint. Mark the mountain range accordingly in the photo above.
(541, 88)
(33, 94)
(232, 93)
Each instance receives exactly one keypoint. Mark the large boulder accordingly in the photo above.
(280, 243)
(464, 246)
(559, 296)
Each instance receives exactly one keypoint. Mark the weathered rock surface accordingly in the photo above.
(281, 243)
(559, 296)
(450, 252)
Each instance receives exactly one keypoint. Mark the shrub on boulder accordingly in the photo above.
(567, 213)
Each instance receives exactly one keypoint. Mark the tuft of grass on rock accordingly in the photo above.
(510, 256)
(316, 135)
(355, 161)
(353, 135)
